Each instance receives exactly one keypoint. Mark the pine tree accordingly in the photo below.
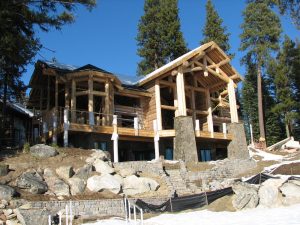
(281, 71)
(18, 36)
(174, 44)
(214, 30)
(249, 94)
(159, 38)
(261, 33)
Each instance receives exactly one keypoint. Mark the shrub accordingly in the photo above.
(26, 148)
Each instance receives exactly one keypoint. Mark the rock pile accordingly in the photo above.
(98, 174)
(271, 193)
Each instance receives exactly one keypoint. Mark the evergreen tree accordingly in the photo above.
(159, 37)
(18, 40)
(261, 33)
(174, 44)
(249, 94)
(214, 30)
(281, 71)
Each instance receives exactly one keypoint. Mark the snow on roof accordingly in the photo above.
(60, 65)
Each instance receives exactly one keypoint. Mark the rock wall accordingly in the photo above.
(237, 148)
(224, 169)
(155, 168)
(97, 208)
(185, 143)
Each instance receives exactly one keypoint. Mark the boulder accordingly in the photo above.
(290, 190)
(33, 216)
(43, 151)
(99, 154)
(57, 186)
(77, 185)
(105, 182)
(84, 172)
(7, 192)
(150, 182)
(65, 172)
(119, 178)
(134, 185)
(12, 222)
(49, 173)
(33, 181)
(246, 196)
(127, 172)
(269, 192)
(103, 167)
(3, 169)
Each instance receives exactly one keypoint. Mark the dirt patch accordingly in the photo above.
(288, 169)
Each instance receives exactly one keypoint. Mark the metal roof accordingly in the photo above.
(19, 108)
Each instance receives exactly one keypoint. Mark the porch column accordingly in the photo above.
(115, 138)
(48, 93)
(56, 93)
(180, 93)
(66, 127)
(91, 102)
(73, 102)
(210, 123)
(232, 102)
(156, 139)
(67, 96)
(158, 105)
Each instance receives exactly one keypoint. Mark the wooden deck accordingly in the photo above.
(130, 132)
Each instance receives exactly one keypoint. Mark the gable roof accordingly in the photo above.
(180, 60)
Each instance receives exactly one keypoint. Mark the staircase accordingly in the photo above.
(177, 182)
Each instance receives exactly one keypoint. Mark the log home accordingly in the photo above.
(89, 107)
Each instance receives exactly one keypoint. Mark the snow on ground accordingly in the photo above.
(265, 155)
(259, 216)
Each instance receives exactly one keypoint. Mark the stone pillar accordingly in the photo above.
(237, 148)
(185, 142)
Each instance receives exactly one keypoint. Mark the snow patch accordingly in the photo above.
(257, 216)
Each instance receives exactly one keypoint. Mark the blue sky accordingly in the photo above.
(105, 37)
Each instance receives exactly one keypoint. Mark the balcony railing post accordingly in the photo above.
(136, 126)
(224, 130)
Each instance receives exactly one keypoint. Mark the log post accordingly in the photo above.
(54, 135)
(91, 101)
(56, 93)
(156, 140)
(197, 127)
(115, 138)
(48, 93)
(224, 130)
(210, 122)
(73, 102)
(136, 126)
(232, 102)
(66, 127)
(158, 105)
(180, 93)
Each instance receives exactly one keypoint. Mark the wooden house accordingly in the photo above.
(16, 127)
(89, 107)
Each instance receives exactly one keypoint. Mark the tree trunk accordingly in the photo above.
(260, 106)
(287, 127)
